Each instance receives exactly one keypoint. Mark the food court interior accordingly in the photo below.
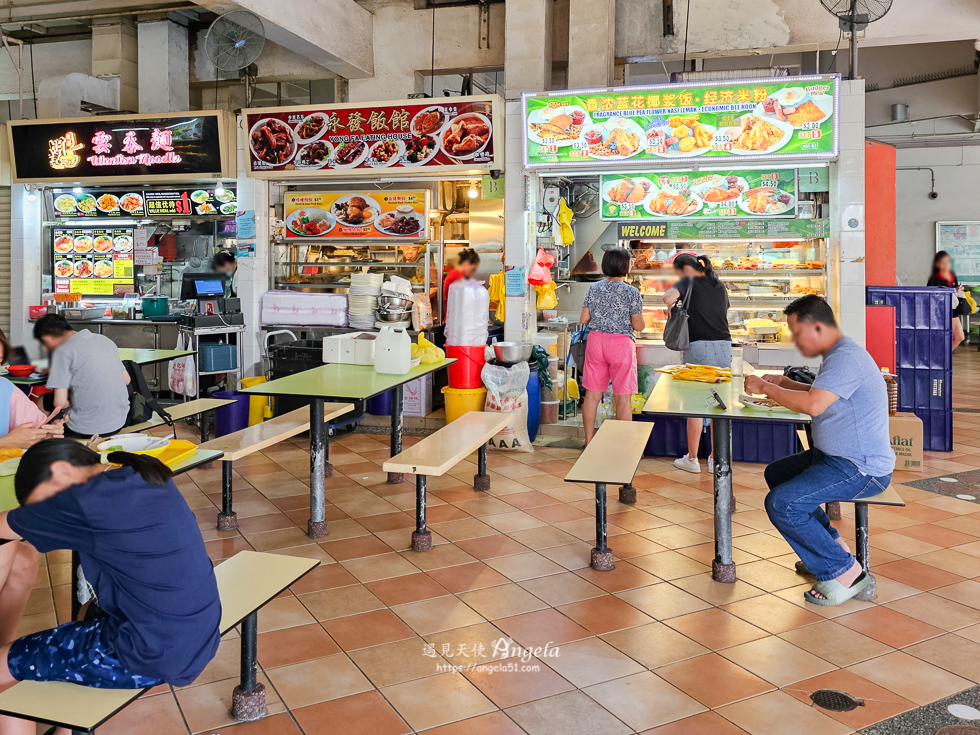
(351, 269)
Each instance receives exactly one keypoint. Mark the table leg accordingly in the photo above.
(227, 518)
(861, 535)
(205, 425)
(397, 422)
(481, 481)
(723, 566)
(317, 527)
(421, 536)
(601, 554)
(248, 699)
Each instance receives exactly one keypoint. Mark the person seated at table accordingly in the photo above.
(87, 375)
(26, 423)
(142, 552)
(851, 456)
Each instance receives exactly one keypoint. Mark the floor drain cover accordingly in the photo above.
(958, 730)
(835, 701)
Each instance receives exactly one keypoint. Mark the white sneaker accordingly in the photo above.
(688, 464)
(711, 465)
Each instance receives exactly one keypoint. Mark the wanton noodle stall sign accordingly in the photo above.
(117, 149)
(456, 134)
(789, 117)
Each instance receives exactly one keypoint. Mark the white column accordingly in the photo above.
(25, 265)
(527, 46)
(115, 52)
(164, 67)
(847, 215)
(591, 43)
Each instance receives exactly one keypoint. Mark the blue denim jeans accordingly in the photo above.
(798, 486)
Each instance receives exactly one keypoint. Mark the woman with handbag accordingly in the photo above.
(705, 300)
(613, 311)
(944, 277)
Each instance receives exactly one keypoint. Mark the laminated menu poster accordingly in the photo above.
(962, 241)
(202, 202)
(457, 134)
(352, 215)
(792, 117)
(699, 195)
(96, 261)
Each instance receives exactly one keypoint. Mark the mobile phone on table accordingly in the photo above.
(717, 398)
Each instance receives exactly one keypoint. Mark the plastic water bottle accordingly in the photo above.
(738, 361)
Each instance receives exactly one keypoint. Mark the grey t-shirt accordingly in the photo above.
(88, 365)
(855, 426)
(611, 305)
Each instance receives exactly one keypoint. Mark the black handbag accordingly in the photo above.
(676, 334)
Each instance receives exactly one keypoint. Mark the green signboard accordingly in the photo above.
(814, 179)
(699, 195)
(770, 229)
(792, 117)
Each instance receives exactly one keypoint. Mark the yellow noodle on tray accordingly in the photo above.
(698, 373)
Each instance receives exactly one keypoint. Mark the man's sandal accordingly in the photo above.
(835, 593)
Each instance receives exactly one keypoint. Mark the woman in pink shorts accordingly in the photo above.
(614, 312)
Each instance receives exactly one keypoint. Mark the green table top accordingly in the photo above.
(687, 398)
(341, 381)
(148, 357)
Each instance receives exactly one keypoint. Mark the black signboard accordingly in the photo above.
(191, 201)
(98, 203)
(107, 148)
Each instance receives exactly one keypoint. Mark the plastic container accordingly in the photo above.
(467, 315)
(392, 352)
(217, 356)
(233, 417)
(548, 341)
(460, 401)
(380, 405)
(154, 306)
(533, 404)
(549, 412)
(465, 372)
(553, 368)
(259, 407)
(891, 384)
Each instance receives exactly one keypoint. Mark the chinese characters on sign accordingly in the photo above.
(376, 214)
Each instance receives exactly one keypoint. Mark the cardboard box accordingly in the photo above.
(905, 430)
(417, 399)
(354, 348)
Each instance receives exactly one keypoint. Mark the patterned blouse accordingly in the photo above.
(611, 305)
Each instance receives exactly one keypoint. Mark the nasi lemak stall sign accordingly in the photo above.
(791, 117)
(455, 134)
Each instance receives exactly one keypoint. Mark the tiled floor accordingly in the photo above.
(361, 645)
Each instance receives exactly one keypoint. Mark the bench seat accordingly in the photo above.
(182, 411)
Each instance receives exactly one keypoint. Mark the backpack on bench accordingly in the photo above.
(142, 403)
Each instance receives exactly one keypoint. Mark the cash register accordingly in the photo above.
(213, 309)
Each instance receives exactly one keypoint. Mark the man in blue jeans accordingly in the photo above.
(851, 456)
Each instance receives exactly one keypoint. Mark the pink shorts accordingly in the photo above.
(610, 357)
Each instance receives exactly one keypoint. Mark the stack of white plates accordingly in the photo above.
(362, 299)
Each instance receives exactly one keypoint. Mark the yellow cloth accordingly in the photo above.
(498, 292)
(546, 296)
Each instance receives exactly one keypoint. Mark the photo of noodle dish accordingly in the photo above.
(83, 243)
(560, 126)
(766, 200)
(86, 203)
(720, 190)
(103, 244)
(63, 268)
(65, 204)
(104, 269)
(314, 155)
(83, 268)
(615, 139)
(756, 134)
(684, 136)
(123, 244)
(64, 244)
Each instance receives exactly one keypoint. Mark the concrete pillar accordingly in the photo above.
(164, 68)
(25, 264)
(591, 43)
(847, 253)
(115, 52)
(527, 46)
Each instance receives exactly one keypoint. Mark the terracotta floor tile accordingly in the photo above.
(532, 499)
(544, 537)
(367, 629)
(361, 714)
(713, 680)
(463, 529)
(318, 681)
(383, 566)
(394, 663)
(644, 700)
(937, 535)
(879, 703)
(572, 713)
(668, 565)
(938, 611)
(834, 643)
(772, 614)
(716, 593)
(519, 567)
(716, 628)
(510, 688)
(437, 700)
(208, 707)
(493, 723)
(501, 602)
(662, 601)
(281, 724)
(767, 575)
(560, 589)
(337, 603)
(605, 614)
(443, 555)
(674, 537)
(591, 661)
(487, 547)
(777, 661)
(161, 710)
(889, 626)
(916, 574)
(770, 713)
(541, 627)
(408, 588)
(572, 556)
(324, 577)
(966, 593)
(292, 645)
(624, 576)
(355, 548)
(465, 577)
(437, 614)
(654, 645)
(910, 677)
(706, 723)
(952, 653)
(284, 612)
(952, 561)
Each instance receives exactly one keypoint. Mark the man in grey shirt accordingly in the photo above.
(851, 456)
(87, 377)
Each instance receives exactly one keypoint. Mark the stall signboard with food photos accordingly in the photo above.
(745, 229)
(116, 149)
(102, 203)
(455, 135)
(93, 260)
(396, 215)
(790, 117)
(699, 195)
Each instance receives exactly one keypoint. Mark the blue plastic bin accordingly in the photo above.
(217, 356)
(233, 417)
(380, 405)
(533, 404)
(752, 441)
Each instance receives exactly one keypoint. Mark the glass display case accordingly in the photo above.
(762, 277)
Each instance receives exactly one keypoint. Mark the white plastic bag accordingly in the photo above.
(507, 393)
(182, 372)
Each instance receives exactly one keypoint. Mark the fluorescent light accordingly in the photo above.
(219, 190)
(473, 193)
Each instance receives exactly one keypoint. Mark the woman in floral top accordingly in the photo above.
(614, 312)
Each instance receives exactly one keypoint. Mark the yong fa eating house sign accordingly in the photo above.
(449, 135)
(168, 146)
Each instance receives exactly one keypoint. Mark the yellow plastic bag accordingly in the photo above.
(637, 401)
(969, 299)
(546, 296)
(429, 352)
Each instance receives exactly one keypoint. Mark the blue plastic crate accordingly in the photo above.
(924, 348)
(937, 430)
(217, 356)
(916, 307)
(922, 388)
(752, 441)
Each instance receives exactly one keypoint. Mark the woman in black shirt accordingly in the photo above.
(943, 277)
(706, 299)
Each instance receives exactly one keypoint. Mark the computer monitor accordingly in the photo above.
(201, 285)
